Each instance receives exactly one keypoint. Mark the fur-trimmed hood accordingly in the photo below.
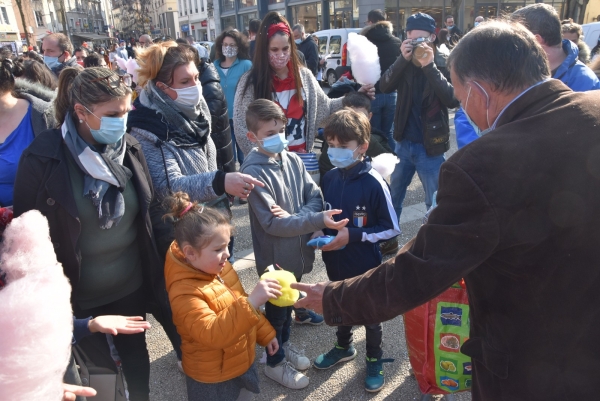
(378, 32)
(26, 87)
(42, 103)
(584, 51)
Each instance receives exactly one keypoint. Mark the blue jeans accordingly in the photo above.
(238, 155)
(281, 320)
(414, 158)
(383, 109)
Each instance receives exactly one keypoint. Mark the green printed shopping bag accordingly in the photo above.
(435, 331)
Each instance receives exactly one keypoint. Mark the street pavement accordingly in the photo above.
(343, 382)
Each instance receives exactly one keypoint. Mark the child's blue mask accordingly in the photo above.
(340, 157)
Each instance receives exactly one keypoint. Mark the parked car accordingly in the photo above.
(333, 46)
(591, 33)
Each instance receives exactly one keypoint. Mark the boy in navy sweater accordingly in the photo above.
(364, 198)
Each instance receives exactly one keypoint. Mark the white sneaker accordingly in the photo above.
(286, 375)
(296, 357)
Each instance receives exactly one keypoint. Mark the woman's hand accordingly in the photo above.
(264, 290)
(273, 347)
(115, 324)
(240, 185)
(368, 90)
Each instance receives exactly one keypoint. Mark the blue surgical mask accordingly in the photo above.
(476, 23)
(51, 62)
(341, 157)
(111, 129)
(274, 144)
(298, 41)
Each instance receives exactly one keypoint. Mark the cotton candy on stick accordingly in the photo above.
(132, 67)
(36, 321)
(364, 58)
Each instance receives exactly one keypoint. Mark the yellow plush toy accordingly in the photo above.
(288, 295)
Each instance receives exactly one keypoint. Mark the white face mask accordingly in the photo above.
(189, 96)
(478, 130)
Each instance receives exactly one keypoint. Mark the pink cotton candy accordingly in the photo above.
(36, 321)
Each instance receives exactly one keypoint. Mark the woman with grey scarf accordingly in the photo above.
(90, 180)
(172, 122)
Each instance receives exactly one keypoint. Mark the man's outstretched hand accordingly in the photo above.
(314, 295)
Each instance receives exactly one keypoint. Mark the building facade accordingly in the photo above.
(193, 19)
(329, 14)
(9, 29)
(165, 18)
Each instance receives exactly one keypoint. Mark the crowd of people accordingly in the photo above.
(136, 172)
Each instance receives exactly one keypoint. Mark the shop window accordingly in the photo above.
(247, 3)
(228, 5)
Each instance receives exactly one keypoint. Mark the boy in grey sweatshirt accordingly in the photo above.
(283, 216)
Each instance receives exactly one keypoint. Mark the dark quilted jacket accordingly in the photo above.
(215, 98)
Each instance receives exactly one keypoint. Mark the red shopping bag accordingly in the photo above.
(435, 332)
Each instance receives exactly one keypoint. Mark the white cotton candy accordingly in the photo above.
(132, 67)
(364, 59)
(121, 62)
(385, 164)
(36, 321)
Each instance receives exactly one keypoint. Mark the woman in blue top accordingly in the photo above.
(25, 111)
(232, 62)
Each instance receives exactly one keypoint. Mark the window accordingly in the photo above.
(229, 5)
(4, 16)
(71, 23)
(322, 45)
(335, 43)
(247, 3)
(228, 23)
(39, 20)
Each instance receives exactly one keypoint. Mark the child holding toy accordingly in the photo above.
(364, 198)
(283, 215)
(218, 322)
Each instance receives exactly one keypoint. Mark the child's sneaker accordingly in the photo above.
(375, 380)
(286, 375)
(336, 355)
(307, 316)
(296, 357)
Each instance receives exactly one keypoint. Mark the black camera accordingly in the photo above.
(420, 41)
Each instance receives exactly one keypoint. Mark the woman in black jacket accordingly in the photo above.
(217, 104)
(91, 181)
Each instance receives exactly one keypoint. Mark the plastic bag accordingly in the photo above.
(435, 331)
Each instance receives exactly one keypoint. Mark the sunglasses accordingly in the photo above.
(112, 81)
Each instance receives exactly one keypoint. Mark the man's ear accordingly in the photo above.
(370, 116)
(251, 137)
(540, 40)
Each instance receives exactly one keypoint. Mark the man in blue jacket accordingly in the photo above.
(542, 20)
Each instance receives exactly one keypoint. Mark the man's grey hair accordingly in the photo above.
(190, 39)
(147, 37)
(298, 27)
(541, 19)
(503, 54)
(63, 42)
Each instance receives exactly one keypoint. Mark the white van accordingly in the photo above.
(332, 46)
(591, 33)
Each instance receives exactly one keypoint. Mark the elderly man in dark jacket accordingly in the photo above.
(379, 32)
(308, 47)
(517, 218)
(421, 127)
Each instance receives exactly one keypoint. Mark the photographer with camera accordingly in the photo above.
(421, 128)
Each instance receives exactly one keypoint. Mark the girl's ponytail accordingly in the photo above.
(194, 222)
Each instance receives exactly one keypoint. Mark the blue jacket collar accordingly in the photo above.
(572, 52)
(362, 167)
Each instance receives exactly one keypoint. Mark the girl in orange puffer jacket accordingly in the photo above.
(218, 322)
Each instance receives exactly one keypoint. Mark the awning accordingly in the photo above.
(90, 36)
